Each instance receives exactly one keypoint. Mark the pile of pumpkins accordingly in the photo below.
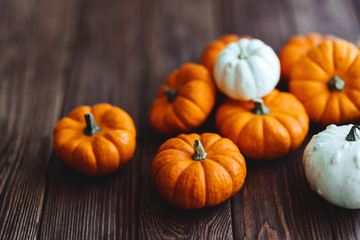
(256, 120)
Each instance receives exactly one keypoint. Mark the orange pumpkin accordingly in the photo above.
(184, 101)
(296, 47)
(194, 171)
(327, 82)
(264, 129)
(95, 140)
(212, 50)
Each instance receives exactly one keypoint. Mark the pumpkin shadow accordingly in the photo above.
(67, 174)
(283, 85)
(178, 219)
(299, 202)
(308, 201)
(307, 207)
(209, 124)
(64, 180)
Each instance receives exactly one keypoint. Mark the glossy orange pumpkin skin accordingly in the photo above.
(296, 47)
(212, 50)
(310, 79)
(188, 183)
(190, 107)
(268, 136)
(100, 154)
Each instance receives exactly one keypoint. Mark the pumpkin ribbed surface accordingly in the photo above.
(105, 151)
(296, 47)
(327, 82)
(212, 50)
(264, 136)
(188, 183)
(185, 101)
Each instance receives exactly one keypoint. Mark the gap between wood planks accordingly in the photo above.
(60, 112)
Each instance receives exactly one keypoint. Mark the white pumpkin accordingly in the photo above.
(332, 165)
(247, 70)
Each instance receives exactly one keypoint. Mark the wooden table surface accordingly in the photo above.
(57, 55)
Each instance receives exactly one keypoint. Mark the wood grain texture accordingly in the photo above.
(34, 38)
(106, 68)
(345, 223)
(269, 21)
(288, 209)
(57, 55)
(172, 27)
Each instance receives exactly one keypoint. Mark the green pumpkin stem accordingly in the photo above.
(353, 135)
(171, 93)
(336, 84)
(91, 127)
(200, 153)
(260, 108)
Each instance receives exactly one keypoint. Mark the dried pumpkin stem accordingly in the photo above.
(336, 84)
(241, 56)
(171, 93)
(200, 153)
(353, 135)
(91, 127)
(260, 108)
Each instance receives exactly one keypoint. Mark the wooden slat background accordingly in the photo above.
(57, 55)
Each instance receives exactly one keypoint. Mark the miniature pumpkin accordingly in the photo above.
(184, 101)
(194, 171)
(327, 82)
(213, 49)
(296, 47)
(264, 129)
(332, 165)
(95, 140)
(247, 69)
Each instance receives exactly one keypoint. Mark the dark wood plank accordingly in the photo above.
(257, 210)
(177, 31)
(57, 55)
(270, 21)
(276, 201)
(34, 41)
(340, 18)
(106, 68)
(344, 222)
